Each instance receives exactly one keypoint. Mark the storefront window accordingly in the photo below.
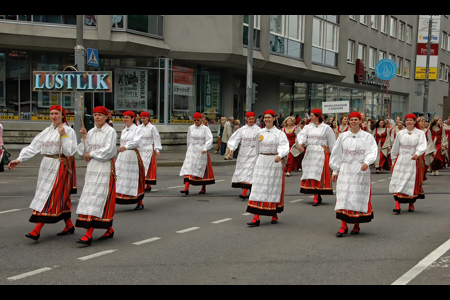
(317, 93)
(183, 103)
(210, 97)
(300, 99)
(286, 97)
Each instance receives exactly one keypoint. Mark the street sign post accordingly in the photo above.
(386, 69)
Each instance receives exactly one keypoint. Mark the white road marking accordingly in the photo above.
(147, 241)
(97, 254)
(298, 200)
(187, 230)
(423, 264)
(8, 211)
(178, 186)
(246, 214)
(31, 273)
(221, 221)
(382, 180)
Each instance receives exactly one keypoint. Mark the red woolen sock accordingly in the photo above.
(203, 188)
(356, 227)
(69, 223)
(37, 229)
(256, 217)
(397, 205)
(275, 218)
(343, 227)
(109, 231)
(186, 186)
(244, 192)
(88, 234)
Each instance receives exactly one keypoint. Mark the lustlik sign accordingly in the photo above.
(72, 81)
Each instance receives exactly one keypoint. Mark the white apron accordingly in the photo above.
(404, 172)
(199, 138)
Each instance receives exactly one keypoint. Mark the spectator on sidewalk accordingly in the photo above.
(227, 132)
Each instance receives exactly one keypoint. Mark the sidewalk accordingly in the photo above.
(169, 158)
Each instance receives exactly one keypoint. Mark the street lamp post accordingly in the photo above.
(248, 98)
(79, 62)
(425, 94)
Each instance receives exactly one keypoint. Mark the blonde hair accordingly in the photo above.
(288, 118)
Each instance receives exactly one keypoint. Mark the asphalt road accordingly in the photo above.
(204, 239)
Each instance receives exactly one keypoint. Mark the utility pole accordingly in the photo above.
(248, 98)
(425, 94)
(79, 62)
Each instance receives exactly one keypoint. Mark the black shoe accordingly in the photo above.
(397, 211)
(33, 237)
(255, 223)
(340, 234)
(355, 231)
(65, 232)
(88, 242)
(185, 192)
(273, 221)
(139, 206)
(105, 237)
(202, 192)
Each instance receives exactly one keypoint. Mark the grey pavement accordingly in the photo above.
(173, 157)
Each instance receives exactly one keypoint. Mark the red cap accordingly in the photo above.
(355, 114)
(197, 115)
(131, 114)
(101, 109)
(413, 116)
(317, 112)
(270, 112)
(250, 114)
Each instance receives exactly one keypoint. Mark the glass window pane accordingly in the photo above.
(276, 24)
(316, 35)
(293, 27)
(138, 22)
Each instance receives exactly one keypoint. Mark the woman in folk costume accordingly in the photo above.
(267, 194)
(98, 199)
(440, 140)
(407, 171)
(447, 135)
(365, 125)
(58, 144)
(428, 155)
(151, 145)
(344, 125)
(197, 169)
(316, 177)
(130, 171)
(353, 153)
(383, 139)
(247, 137)
(291, 131)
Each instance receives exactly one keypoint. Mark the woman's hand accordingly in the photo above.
(277, 159)
(415, 157)
(13, 164)
(61, 130)
(364, 167)
(122, 149)
(334, 177)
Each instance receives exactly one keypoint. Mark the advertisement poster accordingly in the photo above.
(183, 83)
(130, 89)
(422, 43)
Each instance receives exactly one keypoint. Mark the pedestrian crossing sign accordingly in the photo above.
(92, 57)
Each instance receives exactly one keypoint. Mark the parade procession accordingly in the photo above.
(123, 172)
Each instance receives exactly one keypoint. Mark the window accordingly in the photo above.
(448, 42)
(399, 63)
(446, 74)
(286, 35)
(393, 28)
(374, 21)
(383, 23)
(55, 19)
(407, 68)
(256, 31)
(401, 31)
(372, 57)
(363, 19)
(362, 52)
(325, 40)
(441, 72)
(408, 34)
(381, 55)
(353, 17)
(351, 51)
(152, 25)
(444, 42)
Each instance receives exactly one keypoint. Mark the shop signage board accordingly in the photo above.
(422, 45)
(69, 81)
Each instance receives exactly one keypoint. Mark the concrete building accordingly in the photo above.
(189, 63)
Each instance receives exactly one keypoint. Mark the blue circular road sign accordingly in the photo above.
(386, 69)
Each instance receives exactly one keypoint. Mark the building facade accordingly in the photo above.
(174, 65)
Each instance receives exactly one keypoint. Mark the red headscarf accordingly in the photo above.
(145, 114)
(101, 109)
(131, 114)
(58, 108)
(413, 116)
(197, 115)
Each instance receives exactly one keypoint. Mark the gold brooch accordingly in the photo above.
(261, 137)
